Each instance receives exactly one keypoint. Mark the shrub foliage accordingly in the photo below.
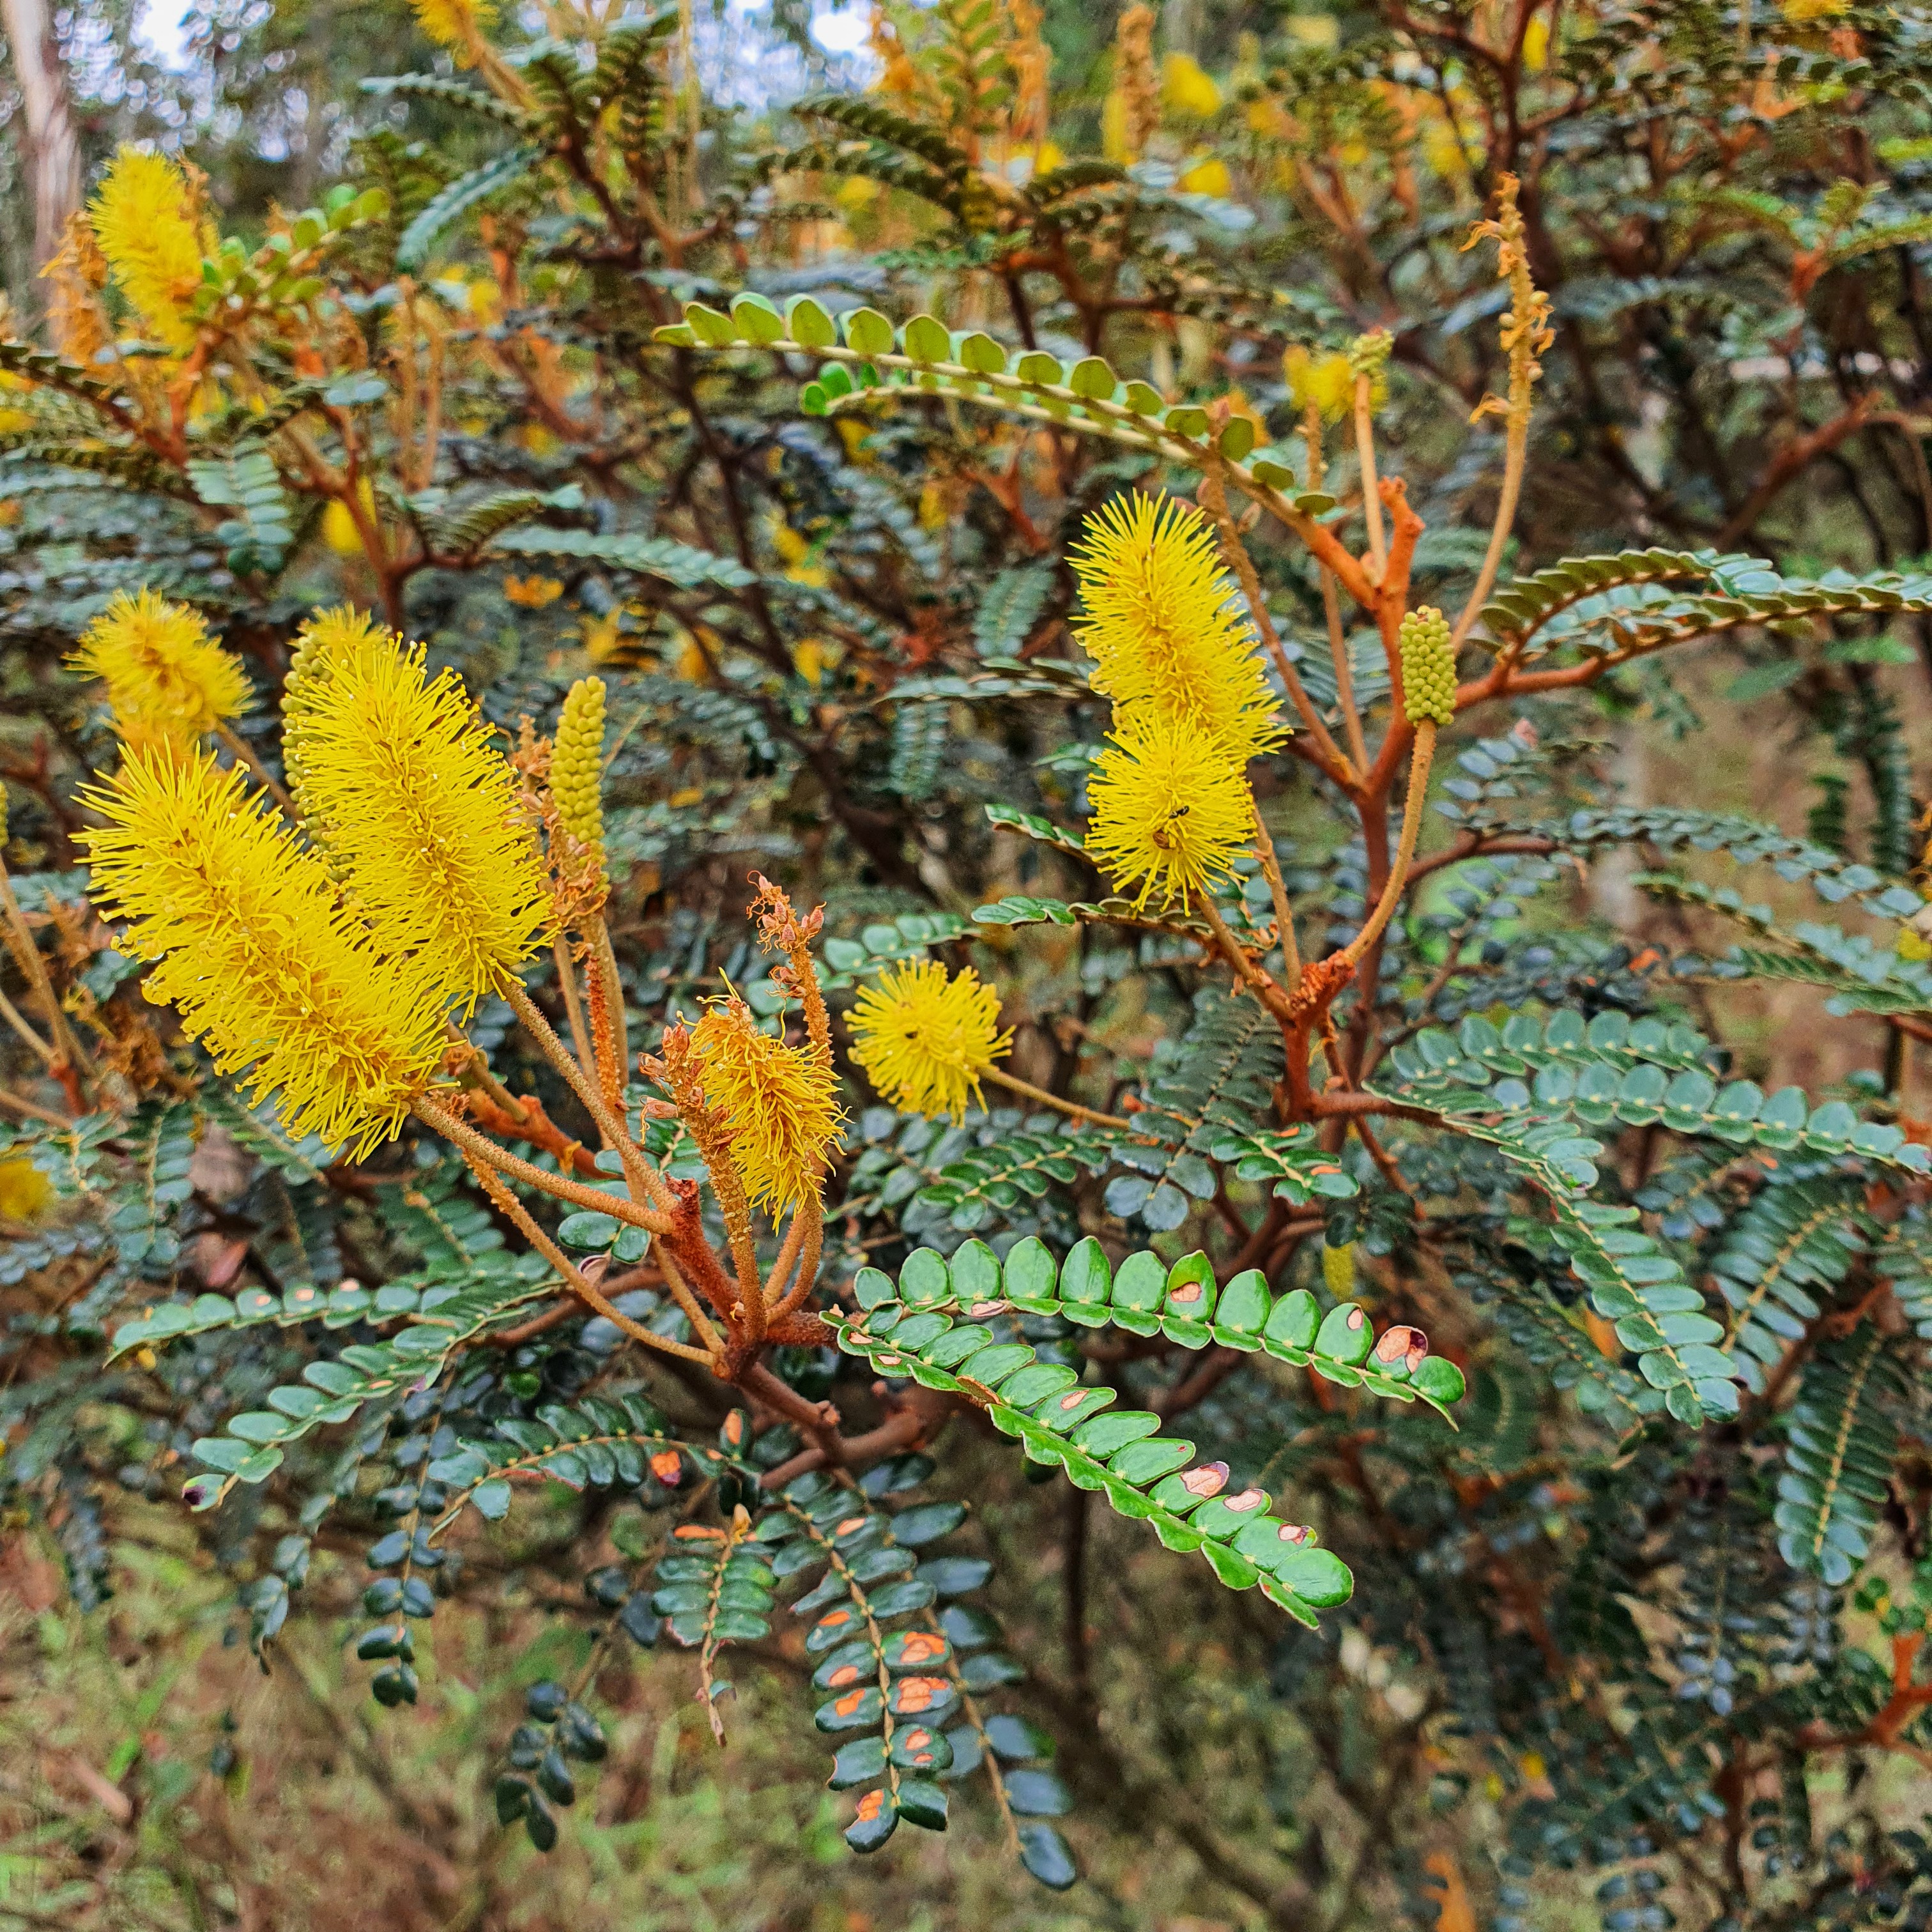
(1153, 569)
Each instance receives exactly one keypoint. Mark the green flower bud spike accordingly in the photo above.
(577, 765)
(1368, 355)
(1428, 654)
(1428, 667)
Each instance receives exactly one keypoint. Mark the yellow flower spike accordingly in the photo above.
(324, 639)
(1171, 808)
(925, 1039)
(1323, 382)
(167, 678)
(577, 765)
(257, 953)
(1338, 1269)
(396, 778)
(143, 216)
(779, 1102)
(1163, 626)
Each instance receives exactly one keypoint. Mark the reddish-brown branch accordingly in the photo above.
(533, 1126)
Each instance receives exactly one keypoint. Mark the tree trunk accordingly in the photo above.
(53, 149)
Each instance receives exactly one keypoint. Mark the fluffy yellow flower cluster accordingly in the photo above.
(417, 812)
(257, 952)
(1192, 703)
(168, 681)
(1325, 384)
(780, 1103)
(926, 1040)
(331, 970)
(458, 25)
(147, 223)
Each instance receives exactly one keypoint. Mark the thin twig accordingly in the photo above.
(573, 1004)
(1014, 1084)
(242, 751)
(33, 1110)
(460, 1134)
(1365, 450)
(1420, 756)
(1213, 497)
(27, 956)
(12, 1015)
(580, 1284)
(1284, 916)
(1331, 605)
(643, 1178)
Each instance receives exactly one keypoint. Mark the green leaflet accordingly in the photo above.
(1864, 977)
(467, 191)
(498, 1286)
(678, 564)
(1626, 602)
(1089, 397)
(1778, 1264)
(913, 1327)
(453, 93)
(1839, 1442)
(439, 1318)
(260, 537)
(1522, 1088)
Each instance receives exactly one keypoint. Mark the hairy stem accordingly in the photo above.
(580, 1285)
(1014, 1084)
(1365, 450)
(461, 1134)
(244, 755)
(1421, 757)
(609, 1035)
(646, 1183)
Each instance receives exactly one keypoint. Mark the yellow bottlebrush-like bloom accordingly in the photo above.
(577, 765)
(1171, 808)
(144, 218)
(454, 24)
(780, 1102)
(1161, 626)
(167, 678)
(1338, 1269)
(257, 954)
(925, 1039)
(396, 778)
(1323, 382)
